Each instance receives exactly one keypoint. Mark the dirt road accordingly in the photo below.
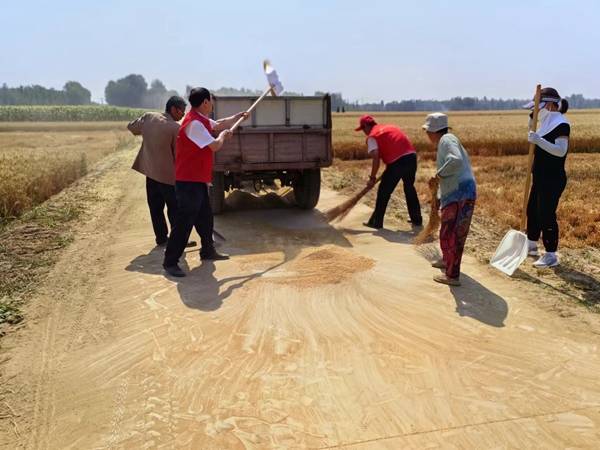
(309, 337)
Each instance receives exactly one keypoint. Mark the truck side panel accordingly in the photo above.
(282, 133)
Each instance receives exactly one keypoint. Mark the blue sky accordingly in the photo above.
(368, 50)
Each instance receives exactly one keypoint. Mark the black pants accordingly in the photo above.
(193, 209)
(403, 169)
(541, 211)
(159, 195)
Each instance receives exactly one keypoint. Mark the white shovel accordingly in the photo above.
(275, 87)
(514, 247)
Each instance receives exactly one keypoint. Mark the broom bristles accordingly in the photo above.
(426, 235)
(342, 210)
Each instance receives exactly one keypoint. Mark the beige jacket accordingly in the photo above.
(156, 158)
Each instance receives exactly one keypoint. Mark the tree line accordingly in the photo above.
(72, 93)
(133, 91)
(339, 104)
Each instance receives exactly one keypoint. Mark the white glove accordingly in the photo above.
(534, 138)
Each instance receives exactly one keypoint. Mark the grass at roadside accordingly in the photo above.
(38, 161)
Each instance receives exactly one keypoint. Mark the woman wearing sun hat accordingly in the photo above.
(457, 192)
(551, 141)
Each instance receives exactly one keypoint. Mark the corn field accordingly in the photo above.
(89, 113)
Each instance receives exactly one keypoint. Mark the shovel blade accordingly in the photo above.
(511, 252)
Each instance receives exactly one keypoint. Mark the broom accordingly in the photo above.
(427, 233)
(339, 212)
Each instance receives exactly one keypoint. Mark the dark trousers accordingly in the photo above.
(541, 211)
(403, 169)
(193, 210)
(159, 195)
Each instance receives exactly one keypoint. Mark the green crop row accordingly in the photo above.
(43, 113)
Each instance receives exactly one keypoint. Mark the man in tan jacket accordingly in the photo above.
(156, 160)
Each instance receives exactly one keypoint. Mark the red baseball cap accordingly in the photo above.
(364, 121)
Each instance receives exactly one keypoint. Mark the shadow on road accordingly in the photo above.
(249, 232)
(577, 285)
(396, 237)
(478, 302)
(201, 290)
(150, 263)
(472, 298)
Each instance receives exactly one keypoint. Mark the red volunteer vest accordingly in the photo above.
(193, 163)
(391, 142)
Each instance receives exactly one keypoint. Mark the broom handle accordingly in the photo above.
(532, 127)
(241, 119)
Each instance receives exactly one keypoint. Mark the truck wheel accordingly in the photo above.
(217, 193)
(307, 188)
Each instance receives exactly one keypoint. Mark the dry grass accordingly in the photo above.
(39, 160)
(486, 133)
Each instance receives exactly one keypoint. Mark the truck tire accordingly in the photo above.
(307, 188)
(217, 193)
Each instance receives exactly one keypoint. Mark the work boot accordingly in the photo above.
(416, 223)
(548, 259)
(444, 279)
(174, 271)
(532, 248)
(370, 225)
(438, 264)
(213, 255)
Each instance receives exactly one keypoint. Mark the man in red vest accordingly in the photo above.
(389, 144)
(193, 173)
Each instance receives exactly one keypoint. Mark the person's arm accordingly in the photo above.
(173, 144)
(559, 148)
(451, 161)
(135, 126)
(220, 140)
(373, 151)
(198, 134)
(227, 122)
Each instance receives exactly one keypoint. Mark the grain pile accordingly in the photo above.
(241, 200)
(317, 267)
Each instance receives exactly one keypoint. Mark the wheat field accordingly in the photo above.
(38, 160)
(486, 133)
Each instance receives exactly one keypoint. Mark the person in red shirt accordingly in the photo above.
(389, 144)
(193, 173)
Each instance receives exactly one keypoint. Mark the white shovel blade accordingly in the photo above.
(511, 252)
(273, 78)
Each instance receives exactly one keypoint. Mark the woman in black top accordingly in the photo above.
(549, 177)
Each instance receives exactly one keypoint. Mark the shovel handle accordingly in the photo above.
(241, 119)
(532, 127)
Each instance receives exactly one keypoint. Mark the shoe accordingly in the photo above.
(174, 271)
(190, 244)
(548, 259)
(162, 243)
(213, 256)
(532, 248)
(438, 264)
(446, 280)
(370, 225)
